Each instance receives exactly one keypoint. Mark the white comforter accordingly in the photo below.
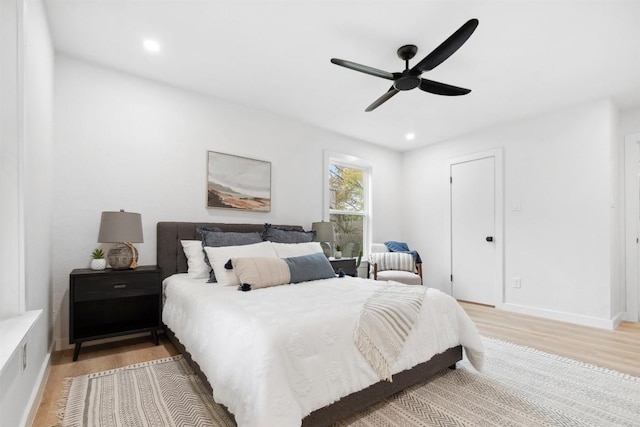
(274, 355)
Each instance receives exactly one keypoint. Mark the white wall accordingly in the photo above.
(11, 301)
(38, 160)
(559, 167)
(122, 142)
(629, 122)
(19, 387)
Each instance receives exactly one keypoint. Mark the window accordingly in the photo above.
(348, 198)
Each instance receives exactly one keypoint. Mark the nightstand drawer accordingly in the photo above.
(117, 286)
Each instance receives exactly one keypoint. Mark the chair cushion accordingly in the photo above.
(400, 276)
(393, 261)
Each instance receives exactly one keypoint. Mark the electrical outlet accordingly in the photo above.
(517, 282)
(24, 357)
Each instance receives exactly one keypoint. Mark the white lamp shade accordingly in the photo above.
(117, 227)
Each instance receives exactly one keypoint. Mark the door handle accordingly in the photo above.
(489, 239)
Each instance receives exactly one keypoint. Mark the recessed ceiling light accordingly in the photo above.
(151, 45)
(410, 136)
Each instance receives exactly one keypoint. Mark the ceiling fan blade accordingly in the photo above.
(363, 68)
(448, 47)
(384, 98)
(442, 89)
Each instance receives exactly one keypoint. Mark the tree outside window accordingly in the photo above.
(348, 206)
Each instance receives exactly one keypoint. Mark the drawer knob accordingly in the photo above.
(119, 286)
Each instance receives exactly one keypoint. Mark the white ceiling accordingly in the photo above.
(526, 57)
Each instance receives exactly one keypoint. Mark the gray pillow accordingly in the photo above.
(309, 267)
(218, 239)
(215, 237)
(277, 234)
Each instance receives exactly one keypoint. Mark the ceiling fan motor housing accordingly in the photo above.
(407, 81)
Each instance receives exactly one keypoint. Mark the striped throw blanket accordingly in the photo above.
(384, 324)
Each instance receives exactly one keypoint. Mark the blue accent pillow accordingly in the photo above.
(397, 246)
(403, 247)
(309, 267)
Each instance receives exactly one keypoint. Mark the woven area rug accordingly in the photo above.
(520, 386)
(159, 393)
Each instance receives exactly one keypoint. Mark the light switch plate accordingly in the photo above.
(517, 282)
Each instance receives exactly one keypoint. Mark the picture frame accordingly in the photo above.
(236, 182)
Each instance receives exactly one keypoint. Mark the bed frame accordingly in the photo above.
(171, 259)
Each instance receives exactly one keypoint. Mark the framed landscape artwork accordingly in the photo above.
(235, 182)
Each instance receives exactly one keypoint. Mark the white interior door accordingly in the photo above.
(473, 250)
(632, 226)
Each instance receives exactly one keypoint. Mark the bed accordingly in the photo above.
(322, 384)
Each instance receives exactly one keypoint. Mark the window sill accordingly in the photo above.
(12, 333)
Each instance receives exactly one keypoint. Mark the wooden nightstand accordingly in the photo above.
(110, 303)
(348, 265)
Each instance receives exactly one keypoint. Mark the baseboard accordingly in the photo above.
(618, 318)
(36, 396)
(578, 319)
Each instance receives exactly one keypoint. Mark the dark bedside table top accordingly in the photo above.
(140, 269)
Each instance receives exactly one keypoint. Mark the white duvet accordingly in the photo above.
(274, 355)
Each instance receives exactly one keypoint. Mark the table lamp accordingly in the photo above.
(123, 228)
(324, 234)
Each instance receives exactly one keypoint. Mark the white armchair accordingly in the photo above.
(397, 266)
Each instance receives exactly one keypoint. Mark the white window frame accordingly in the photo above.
(331, 157)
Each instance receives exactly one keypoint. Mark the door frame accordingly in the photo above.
(498, 182)
(631, 220)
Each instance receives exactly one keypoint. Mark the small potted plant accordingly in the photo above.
(338, 253)
(97, 260)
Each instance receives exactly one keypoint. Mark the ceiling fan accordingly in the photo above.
(410, 77)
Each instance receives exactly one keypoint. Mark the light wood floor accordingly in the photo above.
(618, 350)
(95, 358)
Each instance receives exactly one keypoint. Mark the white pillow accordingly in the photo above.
(288, 250)
(219, 256)
(197, 268)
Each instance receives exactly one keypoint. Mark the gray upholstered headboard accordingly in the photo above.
(170, 256)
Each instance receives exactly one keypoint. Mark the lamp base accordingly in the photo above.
(326, 248)
(123, 256)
